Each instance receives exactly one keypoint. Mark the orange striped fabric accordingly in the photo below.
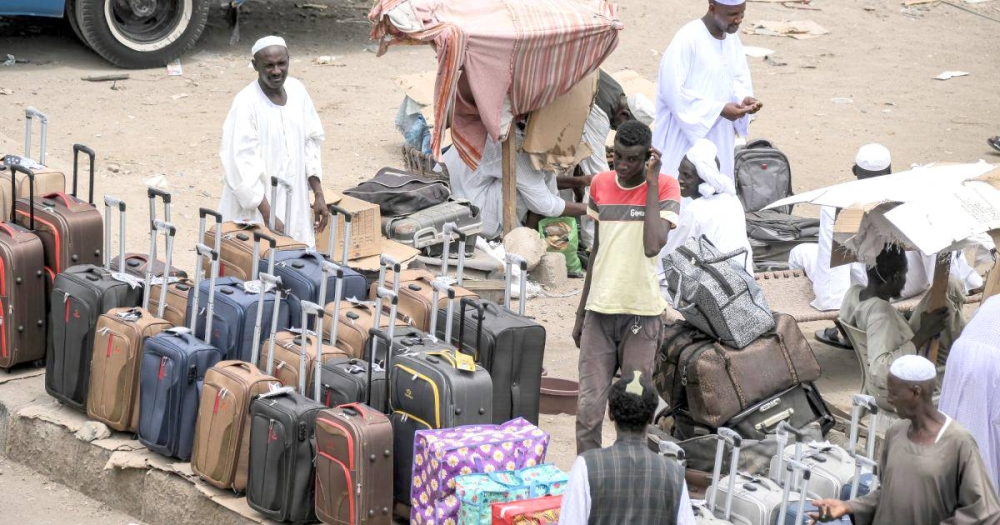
(498, 58)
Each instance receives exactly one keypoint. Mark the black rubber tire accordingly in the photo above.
(127, 53)
(73, 24)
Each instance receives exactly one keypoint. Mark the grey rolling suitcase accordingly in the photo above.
(510, 347)
(433, 386)
(281, 470)
(424, 229)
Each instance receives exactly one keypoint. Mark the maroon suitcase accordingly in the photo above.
(22, 289)
(71, 229)
(136, 263)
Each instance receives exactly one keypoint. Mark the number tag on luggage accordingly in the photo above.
(465, 362)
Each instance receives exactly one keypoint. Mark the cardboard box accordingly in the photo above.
(366, 230)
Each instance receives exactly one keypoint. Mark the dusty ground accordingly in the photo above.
(879, 57)
(30, 497)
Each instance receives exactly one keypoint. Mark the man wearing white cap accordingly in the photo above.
(273, 130)
(704, 89)
(930, 470)
(714, 210)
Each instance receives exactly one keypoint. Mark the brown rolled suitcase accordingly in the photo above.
(137, 264)
(290, 348)
(47, 180)
(178, 287)
(71, 229)
(118, 342)
(236, 253)
(22, 292)
(356, 319)
(715, 382)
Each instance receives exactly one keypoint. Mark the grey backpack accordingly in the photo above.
(714, 292)
(763, 175)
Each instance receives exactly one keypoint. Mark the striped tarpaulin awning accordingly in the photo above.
(498, 58)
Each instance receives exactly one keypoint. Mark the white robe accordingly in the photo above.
(260, 140)
(698, 76)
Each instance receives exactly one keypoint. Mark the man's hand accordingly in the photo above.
(321, 214)
(753, 105)
(933, 323)
(829, 510)
(653, 166)
(578, 328)
(734, 111)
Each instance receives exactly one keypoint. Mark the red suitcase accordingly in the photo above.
(22, 289)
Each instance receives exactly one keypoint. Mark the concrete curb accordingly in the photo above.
(36, 431)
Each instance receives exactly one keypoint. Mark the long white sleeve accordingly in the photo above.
(575, 508)
(241, 155)
(695, 113)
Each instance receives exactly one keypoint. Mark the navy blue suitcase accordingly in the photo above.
(171, 375)
(301, 272)
(236, 305)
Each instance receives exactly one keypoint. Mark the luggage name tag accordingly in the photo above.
(131, 280)
(158, 280)
(465, 362)
(130, 316)
(275, 389)
(254, 287)
(298, 331)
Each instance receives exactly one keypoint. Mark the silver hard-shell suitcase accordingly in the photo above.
(424, 230)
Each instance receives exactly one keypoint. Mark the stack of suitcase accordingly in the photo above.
(297, 385)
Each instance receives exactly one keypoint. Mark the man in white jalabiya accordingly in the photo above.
(273, 130)
(704, 91)
(712, 209)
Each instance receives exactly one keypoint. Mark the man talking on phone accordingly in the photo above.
(618, 320)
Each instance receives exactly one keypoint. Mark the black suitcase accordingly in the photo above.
(281, 473)
(510, 347)
(430, 388)
(79, 296)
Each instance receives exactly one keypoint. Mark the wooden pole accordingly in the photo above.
(992, 286)
(509, 182)
(939, 295)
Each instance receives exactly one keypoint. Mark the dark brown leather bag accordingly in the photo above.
(715, 382)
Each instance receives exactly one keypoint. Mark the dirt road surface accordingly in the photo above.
(868, 80)
(30, 497)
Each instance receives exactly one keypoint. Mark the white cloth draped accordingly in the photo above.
(698, 76)
(972, 381)
(261, 140)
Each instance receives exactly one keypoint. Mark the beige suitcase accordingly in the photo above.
(47, 180)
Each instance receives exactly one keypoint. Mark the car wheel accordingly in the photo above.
(138, 34)
(71, 18)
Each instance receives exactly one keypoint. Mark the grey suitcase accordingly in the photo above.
(431, 389)
(424, 229)
(281, 470)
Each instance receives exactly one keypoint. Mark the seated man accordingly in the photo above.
(930, 470)
(972, 381)
(536, 190)
(714, 210)
(627, 482)
(890, 335)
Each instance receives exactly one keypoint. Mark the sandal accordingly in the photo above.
(994, 142)
(831, 336)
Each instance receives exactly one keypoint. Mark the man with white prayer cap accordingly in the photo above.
(971, 389)
(273, 129)
(930, 471)
(704, 89)
(713, 209)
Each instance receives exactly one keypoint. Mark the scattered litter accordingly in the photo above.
(5, 91)
(10, 60)
(976, 1)
(918, 2)
(327, 60)
(912, 12)
(654, 52)
(869, 8)
(179, 96)
(757, 52)
(113, 168)
(797, 5)
(797, 29)
(156, 181)
(841, 100)
(951, 74)
(773, 62)
(318, 7)
(174, 68)
(105, 78)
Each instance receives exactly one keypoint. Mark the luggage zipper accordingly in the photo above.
(694, 357)
(3, 292)
(434, 387)
(163, 372)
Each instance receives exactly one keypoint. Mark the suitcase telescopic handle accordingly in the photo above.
(275, 182)
(451, 229)
(441, 286)
(860, 463)
(77, 149)
(313, 309)
(30, 114)
(265, 280)
(169, 231)
(271, 243)
(861, 402)
(203, 214)
(110, 202)
(480, 316)
(385, 261)
(348, 220)
(795, 468)
(153, 194)
(14, 169)
(203, 251)
(328, 268)
(511, 259)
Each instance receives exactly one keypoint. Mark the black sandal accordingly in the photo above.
(831, 336)
(994, 142)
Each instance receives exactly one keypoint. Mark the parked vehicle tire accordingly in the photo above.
(137, 34)
(71, 18)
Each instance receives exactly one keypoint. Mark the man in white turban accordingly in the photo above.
(704, 89)
(712, 210)
(930, 470)
(273, 130)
